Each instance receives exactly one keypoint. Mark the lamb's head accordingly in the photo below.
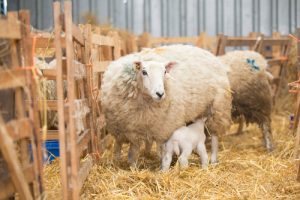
(153, 75)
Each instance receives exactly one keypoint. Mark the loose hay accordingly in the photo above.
(245, 171)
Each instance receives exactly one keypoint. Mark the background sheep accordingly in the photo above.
(194, 84)
(183, 141)
(252, 96)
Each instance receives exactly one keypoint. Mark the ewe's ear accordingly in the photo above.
(170, 65)
(137, 65)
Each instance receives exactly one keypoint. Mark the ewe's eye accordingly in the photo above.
(165, 71)
(144, 73)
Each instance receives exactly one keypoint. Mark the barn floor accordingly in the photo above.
(245, 171)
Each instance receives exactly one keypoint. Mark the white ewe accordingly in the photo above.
(149, 95)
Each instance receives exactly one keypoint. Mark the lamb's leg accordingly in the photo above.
(267, 134)
(214, 149)
(133, 154)
(201, 150)
(183, 158)
(166, 157)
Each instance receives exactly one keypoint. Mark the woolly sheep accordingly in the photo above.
(252, 96)
(141, 102)
(183, 141)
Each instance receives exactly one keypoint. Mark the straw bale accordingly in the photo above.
(245, 171)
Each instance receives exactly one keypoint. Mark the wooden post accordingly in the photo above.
(221, 44)
(11, 157)
(90, 86)
(27, 48)
(276, 49)
(144, 40)
(258, 46)
(117, 47)
(60, 100)
(296, 151)
(71, 100)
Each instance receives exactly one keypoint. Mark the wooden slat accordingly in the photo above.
(102, 40)
(10, 28)
(84, 170)
(170, 40)
(100, 67)
(240, 41)
(77, 34)
(46, 41)
(19, 129)
(281, 41)
(51, 74)
(12, 78)
(276, 61)
(83, 141)
(244, 41)
(7, 186)
(79, 70)
(52, 135)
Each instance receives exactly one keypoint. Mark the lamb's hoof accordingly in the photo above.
(204, 166)
(270, 149)
(214, 162)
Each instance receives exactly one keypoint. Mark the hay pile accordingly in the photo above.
(245, 171)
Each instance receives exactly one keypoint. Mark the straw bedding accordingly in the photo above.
(245, 171)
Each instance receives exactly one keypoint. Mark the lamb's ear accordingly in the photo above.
(137, 65)
(170, 65)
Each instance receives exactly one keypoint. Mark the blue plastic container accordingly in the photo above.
(52, 150)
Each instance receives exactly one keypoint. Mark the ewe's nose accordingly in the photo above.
(160, 95)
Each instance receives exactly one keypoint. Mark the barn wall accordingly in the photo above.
(178, 17)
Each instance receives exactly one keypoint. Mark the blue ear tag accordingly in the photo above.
(252, 64)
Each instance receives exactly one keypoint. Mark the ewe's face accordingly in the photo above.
(153, 75)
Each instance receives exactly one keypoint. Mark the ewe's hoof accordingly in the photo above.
(164, 169)
(270, 149)
(133, 166)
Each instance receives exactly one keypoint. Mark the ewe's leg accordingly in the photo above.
(241, 125)
(214, 149)
(183, 158)
(268, 139)
(159, 149)
(148, 146)
(201, 150)
(133, 154)
(117, 149)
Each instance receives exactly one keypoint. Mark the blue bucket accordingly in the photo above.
(52, 150)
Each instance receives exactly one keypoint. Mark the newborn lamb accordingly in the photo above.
(183, 141)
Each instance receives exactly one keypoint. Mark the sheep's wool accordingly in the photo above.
(194, 84)
(251, 89)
